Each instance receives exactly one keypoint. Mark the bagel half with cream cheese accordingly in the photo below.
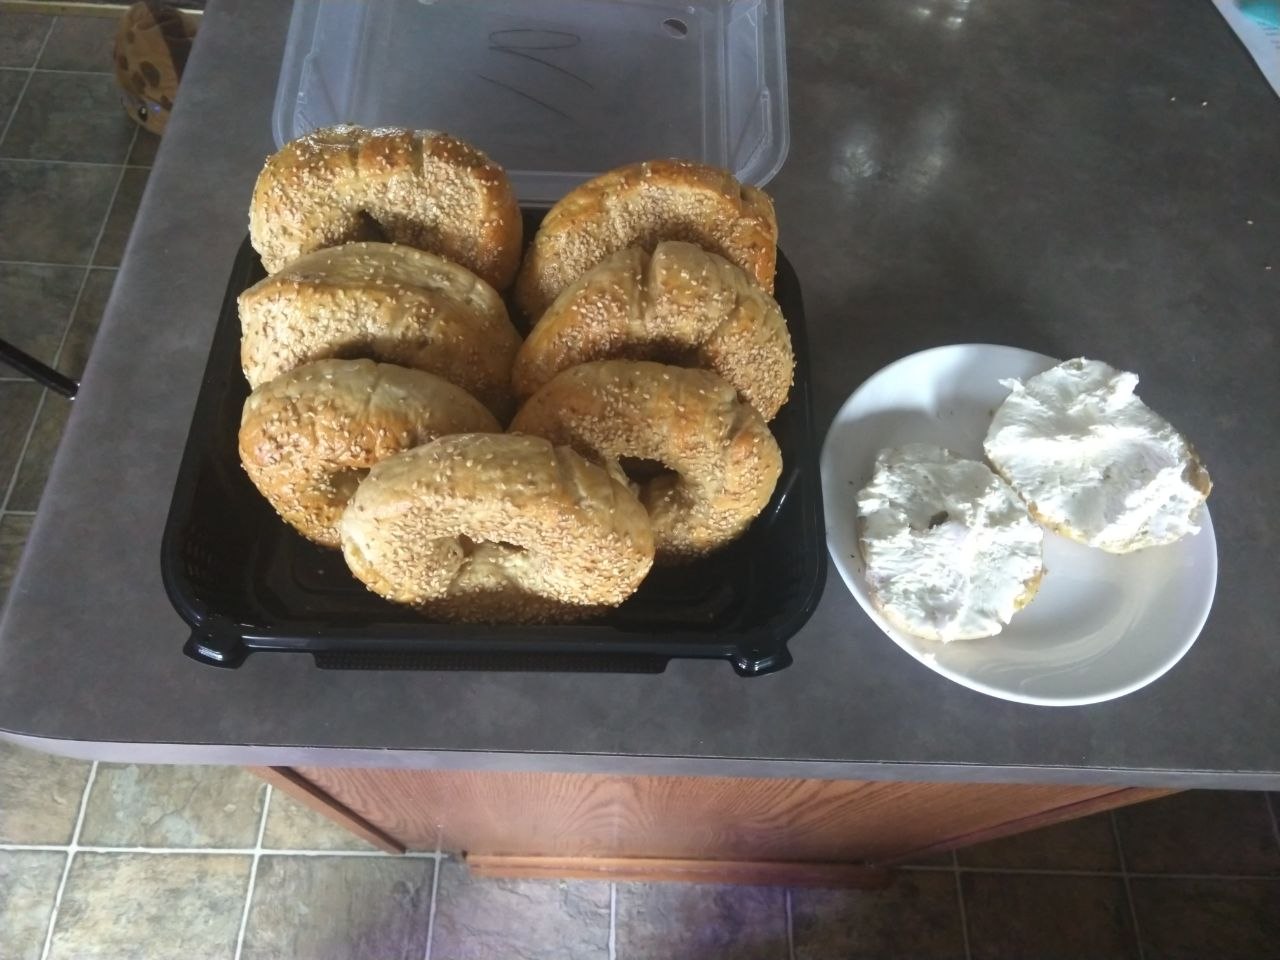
(1093, 462)
(950, 550)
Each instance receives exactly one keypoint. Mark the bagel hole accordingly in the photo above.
(673, 353)
(641, 471)
(367, 230)
(471, 546)
(345, 482)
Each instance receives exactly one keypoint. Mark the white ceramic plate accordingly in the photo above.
(1101, 625)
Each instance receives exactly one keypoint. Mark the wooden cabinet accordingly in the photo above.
(816, 832)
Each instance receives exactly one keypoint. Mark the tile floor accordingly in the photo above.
(111, 861)
(120, 861)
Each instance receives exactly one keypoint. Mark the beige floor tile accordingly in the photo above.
(18, 402)
(52, 212)
(13, 540)
(1085, 844)
(84, 324)
(678, 921)
(917, 916)
(21, 35)
(115, 235)
(332, 908)
(69, 117)
(1200, 831)
(28, 883)
(11, 84)
(37, 307)
(291, 826)
(1013, 916)
(42, 445)
(39, 795)
(529, 919)
(144, 149)
(148, 906)
(164, 806)
(1219, 919)
(81, 43)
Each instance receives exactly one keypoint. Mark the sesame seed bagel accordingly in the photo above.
(309, 436)
(384, 302)
(497, 528)
(640, 205)
(721, 460)
(682, 305)
(418, 187)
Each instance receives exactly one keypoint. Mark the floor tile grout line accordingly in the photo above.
(1275, 816)
(1114, 874)
(93, 255)
(51, 263)
(54, 162)
(13, 110)
(26, 83)
(431, 909)
(432, 855)
(66, 330)
(33, 847)
(220, 851)
(964, 914)
(74, 73)
(1128, 887)
(613, 921)
(253, 871)
(22, 452)
(72, 849)
(84, 280)
(791, 927)
(106, 217)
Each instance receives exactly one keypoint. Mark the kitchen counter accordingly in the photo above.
(1071, 179)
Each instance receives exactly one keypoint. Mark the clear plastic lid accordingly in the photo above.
(556, 91)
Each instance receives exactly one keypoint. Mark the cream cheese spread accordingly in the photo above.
(1093, 461)
(951, 552)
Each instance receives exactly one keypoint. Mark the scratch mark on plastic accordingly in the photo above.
(520, 93)
(511, 51)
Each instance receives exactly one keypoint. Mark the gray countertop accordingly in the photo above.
(1070, 178)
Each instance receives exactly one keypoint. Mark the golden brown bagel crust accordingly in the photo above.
(725, 461)
(418, 187)
(307, 437)
(640, 205)
(384, 302)
(682, 305)
(497, 528)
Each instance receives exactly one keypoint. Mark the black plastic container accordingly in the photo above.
(245, 581)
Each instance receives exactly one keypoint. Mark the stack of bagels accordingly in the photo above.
(398, 415)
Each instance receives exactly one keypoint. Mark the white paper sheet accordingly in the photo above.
(1260, 39)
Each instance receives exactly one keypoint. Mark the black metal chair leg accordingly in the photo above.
(29, 366)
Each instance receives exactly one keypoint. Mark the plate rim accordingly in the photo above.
(826, 472)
